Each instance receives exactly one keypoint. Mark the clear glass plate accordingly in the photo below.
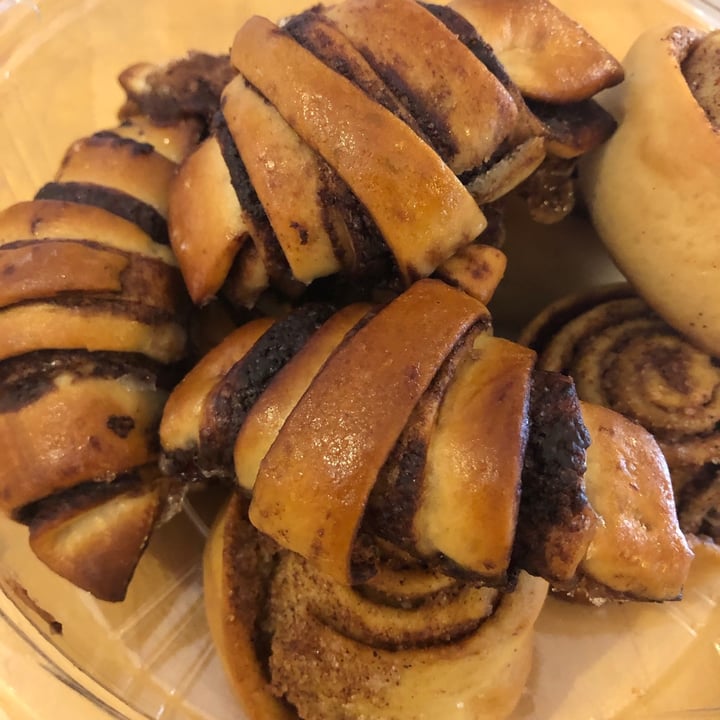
(64, 654)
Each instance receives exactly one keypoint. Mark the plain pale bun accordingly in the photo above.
(652, 189)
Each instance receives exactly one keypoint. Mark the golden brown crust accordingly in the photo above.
(475, 459)
(44, 269)
(652, 193)
(638, 549)
(445, 91)
(84, 429)
(237, 563)
(206, 224)
(53, 219)
(314, 31)
(476, 269)
(116, 163)
(266, 418)
(39, 270)
(547, 55)
(96, 542)
(392, 121)
(423, 225)
(400, 485)
(174, 141)
(180, 427)
(287, 177)
(37, 326)
(383, 369)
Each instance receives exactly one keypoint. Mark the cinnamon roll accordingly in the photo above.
(622, 355)
(299, 645)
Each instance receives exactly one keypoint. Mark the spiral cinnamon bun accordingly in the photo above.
(622, 355)
(298, 644)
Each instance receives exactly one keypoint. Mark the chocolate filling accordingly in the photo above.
(433, 125)
(117, 202)
(148, 280)
(108, 138)
(397, 96)
(78, 498)
(469, 37)
(25, 379)
(263, 235)
(186, 88)
(318, 35)
(230, 400)
(395, 497)
(553, 498)
(132, 310)
(372, 262)
(581, 125)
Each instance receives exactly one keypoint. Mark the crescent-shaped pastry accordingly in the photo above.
(93, 316)
(423, 225)
(407, 424)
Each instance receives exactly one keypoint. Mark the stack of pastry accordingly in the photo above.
(94, 315)
(402, 460)
(405, 485)
(349, 151)
(414, 484)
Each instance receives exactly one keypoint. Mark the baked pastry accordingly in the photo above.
(93, 320)
(651, 191)
(376, 403)
(187, 88)
(622, 355)
(407, 486)
(297, 644)
(382, 180)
